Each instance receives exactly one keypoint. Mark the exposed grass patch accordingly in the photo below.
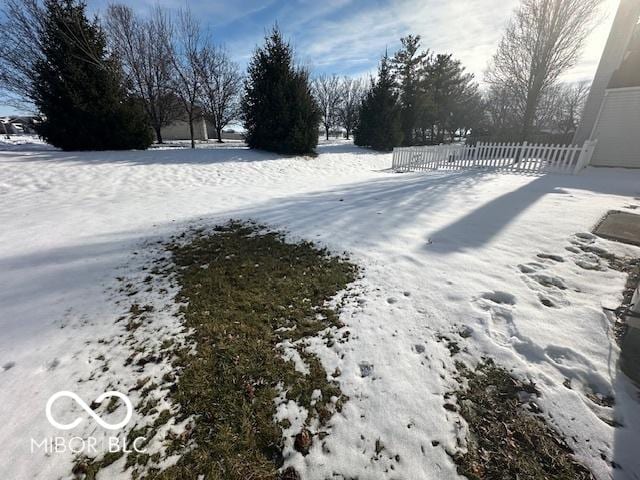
(507, 439)
(246, 291)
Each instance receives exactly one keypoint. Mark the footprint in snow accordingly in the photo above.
(392, 300)
(366, 369)
(586, 237)
(589, 261)
(547, 301)
(500, 306)
(499, 297)
(549, 256)
(547, 280)
(53, 364)
(548, 287)
(530, 267)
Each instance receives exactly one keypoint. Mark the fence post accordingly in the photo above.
(517, 162)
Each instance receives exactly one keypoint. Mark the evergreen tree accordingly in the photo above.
(451, 91)
(380, 126)
(278, 109)
(409, 67)
(79, 88)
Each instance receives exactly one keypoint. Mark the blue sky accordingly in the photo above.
(347, 37)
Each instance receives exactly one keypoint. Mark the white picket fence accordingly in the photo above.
(509, 157)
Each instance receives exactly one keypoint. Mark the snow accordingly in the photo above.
(23, 143)
(442, 252)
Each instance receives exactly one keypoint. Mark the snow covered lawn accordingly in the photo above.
(495, 263)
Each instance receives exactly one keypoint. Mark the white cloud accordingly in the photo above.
(470, 30)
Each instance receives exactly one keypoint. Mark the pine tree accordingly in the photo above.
(409, 67)
(450, 88)
(278, 109)
(380, 126)
(79, 88)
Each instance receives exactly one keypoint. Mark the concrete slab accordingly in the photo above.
(620, 226)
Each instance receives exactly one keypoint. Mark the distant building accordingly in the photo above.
(179, 130)
(202, 131)
(612, 113)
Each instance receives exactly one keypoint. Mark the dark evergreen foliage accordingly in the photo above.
(79, 88)
(409, 70)
(380, 125)
(279, 112)
(454, 96)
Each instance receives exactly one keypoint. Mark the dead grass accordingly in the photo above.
(246, 291)
(507, 439)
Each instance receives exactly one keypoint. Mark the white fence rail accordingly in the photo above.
(510, 157)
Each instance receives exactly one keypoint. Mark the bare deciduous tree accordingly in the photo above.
(20, 49)
(186, 54)
(142, 46)
(541, 42)
(351, 93)
(569, 106)
(221, 84)
(502, 114)
(326, 90)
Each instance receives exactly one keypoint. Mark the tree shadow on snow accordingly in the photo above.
(482, 224)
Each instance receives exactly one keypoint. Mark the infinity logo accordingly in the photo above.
(87, 408)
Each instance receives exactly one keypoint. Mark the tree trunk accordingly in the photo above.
(326, 130)
(348, 132)
(529, 113)
(158, 134)
(219, 132)
(193, 141)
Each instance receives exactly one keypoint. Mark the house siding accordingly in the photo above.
(617, 129)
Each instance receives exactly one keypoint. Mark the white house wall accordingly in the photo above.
(617, 129)
(180, 131)
(614, 50)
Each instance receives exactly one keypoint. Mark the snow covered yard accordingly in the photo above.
(498, 265)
